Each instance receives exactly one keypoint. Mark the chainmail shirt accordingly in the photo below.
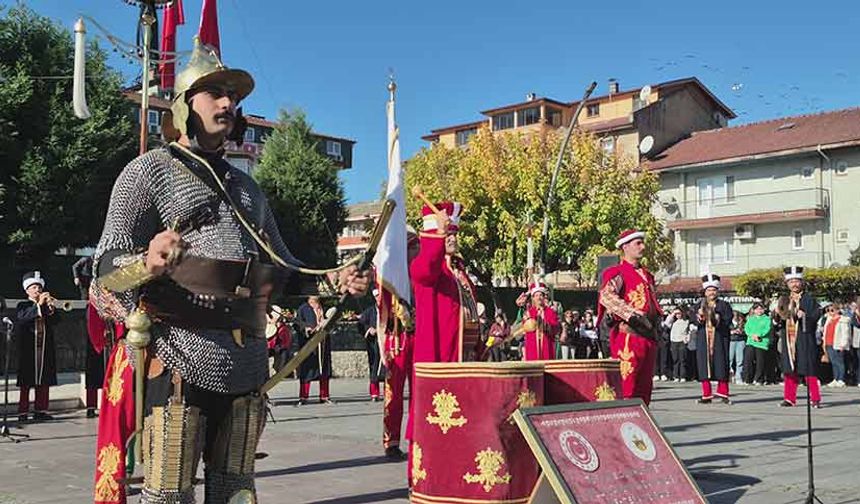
(156, 190)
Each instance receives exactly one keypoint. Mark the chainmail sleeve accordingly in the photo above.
(132, 220)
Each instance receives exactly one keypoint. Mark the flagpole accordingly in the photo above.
(146, 20)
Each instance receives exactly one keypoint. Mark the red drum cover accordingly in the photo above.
(465, 445)
(570, 381)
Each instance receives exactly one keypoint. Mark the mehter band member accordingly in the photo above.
(317, 367)
(34, 335)
(540, 343)
(446, 310)
(627, 295)
(712, 345)
(798, 315)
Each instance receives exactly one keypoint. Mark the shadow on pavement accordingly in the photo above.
(326, 466)
(718, 486)
(400, 493)
(693, 464)
(763, 436)
(686, 427)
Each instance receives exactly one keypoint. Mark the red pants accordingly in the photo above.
(638, 356)
(789, 388)
(305, 389)
(399, 371)
(722, 389)
(41, 404)
(374, 390)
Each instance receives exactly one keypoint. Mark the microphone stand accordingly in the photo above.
(5, 433)
(811, 498)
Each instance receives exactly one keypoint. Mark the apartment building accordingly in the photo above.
(356, 231)
(665, 112)
(773, 193)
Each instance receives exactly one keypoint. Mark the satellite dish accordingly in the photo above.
(645, 93)
(646, 144)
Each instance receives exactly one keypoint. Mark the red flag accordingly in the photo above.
(173, 17)
(209, 25)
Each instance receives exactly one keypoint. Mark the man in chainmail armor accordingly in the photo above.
(195, 245)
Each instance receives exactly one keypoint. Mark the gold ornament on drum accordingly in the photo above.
(489, 463)
(526, 399)
(418, 472)
(604, 392)
(446, 405)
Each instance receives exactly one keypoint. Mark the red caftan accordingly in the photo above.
(540, 344)
(437, 283)
(626, 290)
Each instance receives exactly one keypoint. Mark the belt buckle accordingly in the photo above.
(243, 292)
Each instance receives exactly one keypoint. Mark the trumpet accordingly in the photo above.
(57, 304)
(66, 306)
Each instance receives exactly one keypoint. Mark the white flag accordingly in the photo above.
(390, 259)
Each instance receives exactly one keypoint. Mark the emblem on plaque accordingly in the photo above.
(638, 442)
(578, 450)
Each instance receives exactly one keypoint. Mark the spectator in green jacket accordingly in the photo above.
(758, 327)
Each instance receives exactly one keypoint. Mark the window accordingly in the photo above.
(503, 121)
(806, 173)
(593, 110)
(249, 135)
(715, 251)
(553, 116)
(463, 136)
(528, 116)
(797, 239)
(153, 124)
(332, 148)
(608, 145)
(841, 167)
(730, 188)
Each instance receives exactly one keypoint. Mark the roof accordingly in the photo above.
(780, 136)
(364, 209)
(450, 129)
(608, 125)
(535, 102)
(156, 102)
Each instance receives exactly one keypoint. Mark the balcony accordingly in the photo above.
(740, 264)
(757, 208)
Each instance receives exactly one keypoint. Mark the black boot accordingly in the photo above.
(394, 453)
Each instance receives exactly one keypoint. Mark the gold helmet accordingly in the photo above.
(205, 68)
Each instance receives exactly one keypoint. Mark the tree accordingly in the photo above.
(303, 189)
(56, 170)
(502, 179)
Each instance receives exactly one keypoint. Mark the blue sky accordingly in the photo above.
(452, 59)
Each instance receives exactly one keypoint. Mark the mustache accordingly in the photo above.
(226, 115)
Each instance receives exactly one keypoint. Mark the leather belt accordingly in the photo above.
(202, 293)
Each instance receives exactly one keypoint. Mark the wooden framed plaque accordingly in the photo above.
(609, 451)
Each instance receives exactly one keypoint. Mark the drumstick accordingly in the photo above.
(418, 193)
